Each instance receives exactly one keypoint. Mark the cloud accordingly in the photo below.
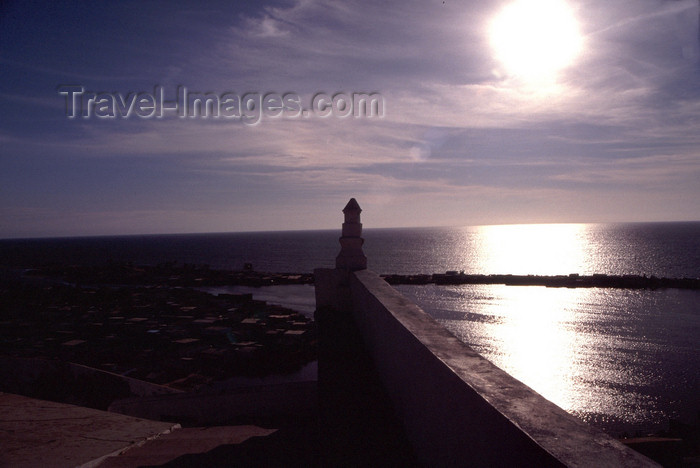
(457, 138)
(652, 172)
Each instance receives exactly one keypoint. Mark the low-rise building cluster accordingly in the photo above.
(176, 336)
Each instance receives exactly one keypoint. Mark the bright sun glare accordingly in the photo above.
(534, 39)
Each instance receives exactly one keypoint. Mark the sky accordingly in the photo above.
(574, 111)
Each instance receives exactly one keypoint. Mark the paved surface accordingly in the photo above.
(48, 434)
(191, 442)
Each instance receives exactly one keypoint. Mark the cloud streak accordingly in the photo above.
(622, 119)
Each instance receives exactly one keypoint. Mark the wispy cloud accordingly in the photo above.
(459, 141)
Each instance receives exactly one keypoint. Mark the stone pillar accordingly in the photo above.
(351, 256)
(356, 419)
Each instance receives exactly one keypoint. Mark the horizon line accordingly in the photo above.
(270, 231)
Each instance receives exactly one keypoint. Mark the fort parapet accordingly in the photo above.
(454, 407)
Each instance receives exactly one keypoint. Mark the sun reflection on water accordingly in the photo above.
(621, 359)
(537, 344)
(544, 249)
(559, 341)
(597, 353)
(532, 338)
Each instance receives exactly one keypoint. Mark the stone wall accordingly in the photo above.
(456, 408)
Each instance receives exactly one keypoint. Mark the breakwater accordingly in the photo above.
(174, 275)
(554, 281)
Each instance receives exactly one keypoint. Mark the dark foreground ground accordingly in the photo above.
(153, 324)
(150, 324)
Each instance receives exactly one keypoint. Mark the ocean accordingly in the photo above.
(626, 361)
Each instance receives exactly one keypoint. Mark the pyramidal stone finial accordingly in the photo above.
(351, 256)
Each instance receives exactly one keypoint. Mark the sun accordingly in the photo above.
(535, 39)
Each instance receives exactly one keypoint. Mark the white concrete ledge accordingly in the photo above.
(459, 409)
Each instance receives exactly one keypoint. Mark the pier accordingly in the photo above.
(573, 280)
